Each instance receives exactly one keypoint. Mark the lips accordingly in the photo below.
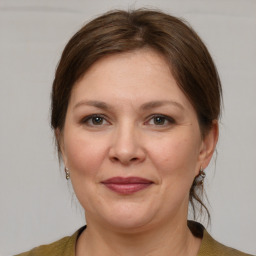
(127, 185)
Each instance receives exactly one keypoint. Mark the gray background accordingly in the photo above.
(36, 204)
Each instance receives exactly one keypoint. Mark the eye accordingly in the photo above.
(95, 120)
(160, 120)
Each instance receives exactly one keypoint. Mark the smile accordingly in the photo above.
(127, 185)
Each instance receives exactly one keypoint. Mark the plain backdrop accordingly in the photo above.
(37, 205)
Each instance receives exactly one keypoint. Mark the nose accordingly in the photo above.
(127, 147)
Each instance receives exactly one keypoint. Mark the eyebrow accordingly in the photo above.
(159, 103)
(145, 106)
(93, 103)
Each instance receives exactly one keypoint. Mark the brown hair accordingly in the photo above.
(121, 31)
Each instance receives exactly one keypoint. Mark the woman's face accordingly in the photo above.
(132, 142)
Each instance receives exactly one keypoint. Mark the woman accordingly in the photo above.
(135, 107)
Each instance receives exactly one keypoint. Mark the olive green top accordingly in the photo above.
(66, 246)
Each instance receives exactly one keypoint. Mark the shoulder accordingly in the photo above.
(64, 247)
(55, 248)
(209, 246)
(212, 247)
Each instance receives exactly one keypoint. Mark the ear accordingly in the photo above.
(60, 145)
(208, 145)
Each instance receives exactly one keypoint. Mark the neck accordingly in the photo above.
(172, 239)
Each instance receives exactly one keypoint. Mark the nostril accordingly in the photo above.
(125, 161)
(115, 159)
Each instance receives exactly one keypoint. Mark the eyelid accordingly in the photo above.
(168, 118)
(89, 117)
(85, 120)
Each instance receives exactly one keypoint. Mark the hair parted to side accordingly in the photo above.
(121, 31)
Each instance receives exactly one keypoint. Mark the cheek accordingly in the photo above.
(84, 154)
(176, 154)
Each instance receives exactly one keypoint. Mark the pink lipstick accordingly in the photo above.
(128, 185)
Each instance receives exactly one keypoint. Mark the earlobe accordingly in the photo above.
(209, 144)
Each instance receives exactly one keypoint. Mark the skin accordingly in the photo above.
(145, 127)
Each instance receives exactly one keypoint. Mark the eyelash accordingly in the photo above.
(165, 118)
(88, 120)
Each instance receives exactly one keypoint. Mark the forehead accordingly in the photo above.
(137, 62)
(141, 75)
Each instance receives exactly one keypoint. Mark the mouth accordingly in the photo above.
(127, 185)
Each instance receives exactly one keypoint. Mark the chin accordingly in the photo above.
(127, 217)
(129, 225)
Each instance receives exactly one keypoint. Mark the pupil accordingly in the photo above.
(159, 120)
(97, 120)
